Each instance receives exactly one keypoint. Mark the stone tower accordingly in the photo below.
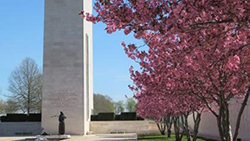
(67, 67)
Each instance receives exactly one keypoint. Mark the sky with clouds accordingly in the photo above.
(21, 36)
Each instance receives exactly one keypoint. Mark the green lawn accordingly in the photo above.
(165, 138)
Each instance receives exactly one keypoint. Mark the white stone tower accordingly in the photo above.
(67, 68)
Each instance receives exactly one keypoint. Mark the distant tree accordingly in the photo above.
(25, 85)
(103, 103)
(119, 107)
(130, 105)
(38, 107)
(11, 106)
(2, 105)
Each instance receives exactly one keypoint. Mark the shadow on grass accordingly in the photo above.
(154, 137)
(205, 139)
(165, 138)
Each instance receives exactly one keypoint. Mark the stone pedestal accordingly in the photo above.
(67, 68)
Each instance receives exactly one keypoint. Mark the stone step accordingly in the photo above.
(55, 137)
(90, 133)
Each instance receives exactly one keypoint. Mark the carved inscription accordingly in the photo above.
(66, 100)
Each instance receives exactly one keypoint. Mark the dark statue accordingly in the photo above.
(61, 123)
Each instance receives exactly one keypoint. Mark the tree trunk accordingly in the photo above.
(169, 133)
(223, 122)
(197, 119)
(29, 98)
(185, 126)
(161, 126)
(177, 128)
(237, 127)
(169, 125)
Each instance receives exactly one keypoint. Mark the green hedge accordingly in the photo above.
(106, 116)
(111, 116)
(21, 118)
(128, 116)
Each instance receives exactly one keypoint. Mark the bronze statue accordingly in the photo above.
(61, 123)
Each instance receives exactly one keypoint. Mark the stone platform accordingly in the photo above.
(55, 137)
(98, 137)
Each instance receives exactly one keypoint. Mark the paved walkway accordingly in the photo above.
(99, 137)
(106, 137)
(14, 138)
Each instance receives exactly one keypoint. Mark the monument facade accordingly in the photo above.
(67, 68)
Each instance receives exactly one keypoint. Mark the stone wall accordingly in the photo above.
(96, 127)
(20, 128)
(139, 127)
(208, 125)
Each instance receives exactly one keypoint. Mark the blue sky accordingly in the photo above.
(21, 36)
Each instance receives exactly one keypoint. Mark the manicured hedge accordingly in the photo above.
(16, 118)
(112, 116)
(94, 117)
(34, 117)
(117, 117)
(140, 118)
(128, 116)
(21, 118)
(106, 116)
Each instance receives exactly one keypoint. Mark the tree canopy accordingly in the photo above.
(25, 85)
(196, 50)
(131, 105)
(103, 103)
(119, 107)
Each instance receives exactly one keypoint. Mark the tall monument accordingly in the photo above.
(67, 68)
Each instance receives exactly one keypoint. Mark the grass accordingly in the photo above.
(165, 138)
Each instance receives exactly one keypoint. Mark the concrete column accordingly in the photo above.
(67, 68)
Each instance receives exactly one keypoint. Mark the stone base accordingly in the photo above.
(55, 137)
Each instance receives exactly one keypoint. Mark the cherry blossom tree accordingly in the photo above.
(202, 45)
(165, 111)
(155, 108)
(159, 103)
